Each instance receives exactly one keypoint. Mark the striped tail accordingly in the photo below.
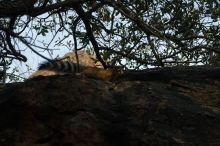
(61, 66)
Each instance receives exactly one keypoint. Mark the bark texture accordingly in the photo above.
(77, 111)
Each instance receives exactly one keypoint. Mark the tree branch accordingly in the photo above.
(9, 32)
(86, 22)
(19, 56)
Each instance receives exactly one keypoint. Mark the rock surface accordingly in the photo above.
(76, 111)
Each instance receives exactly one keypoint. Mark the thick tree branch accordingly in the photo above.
(86, 21)
(154, 52)
(148, 30)
(16, 8)
(11, 33)
(19, 56)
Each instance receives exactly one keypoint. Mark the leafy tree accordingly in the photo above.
(133, 34)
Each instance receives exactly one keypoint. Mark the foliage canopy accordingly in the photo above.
(133, 34)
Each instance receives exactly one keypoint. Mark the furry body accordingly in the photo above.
(57, 67)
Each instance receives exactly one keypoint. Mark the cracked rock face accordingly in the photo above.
(70, 111)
